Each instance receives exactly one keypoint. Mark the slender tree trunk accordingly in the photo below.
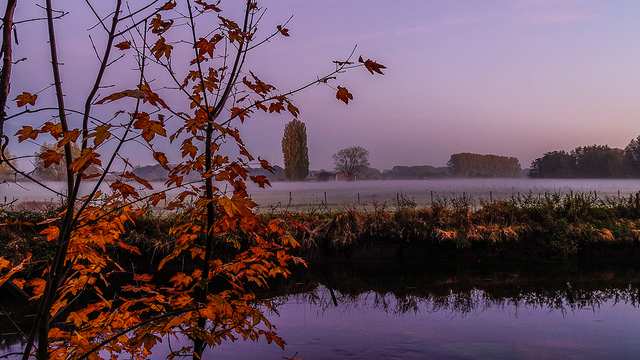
(55, 275)
(5, 75)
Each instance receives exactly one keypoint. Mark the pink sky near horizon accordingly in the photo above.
(506, 77)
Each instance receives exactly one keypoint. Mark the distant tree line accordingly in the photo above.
(595, 161)
(416, 172)
(478, 165)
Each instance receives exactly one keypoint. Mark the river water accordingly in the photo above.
(363, 309)
(457, 311)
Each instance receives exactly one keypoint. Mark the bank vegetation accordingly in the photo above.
(529, 227)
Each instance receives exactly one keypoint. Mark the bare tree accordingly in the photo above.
(351, 160)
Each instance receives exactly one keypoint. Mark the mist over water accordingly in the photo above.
(337, 195)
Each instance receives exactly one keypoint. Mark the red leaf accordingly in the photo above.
(208, 6)
(276, 106)
(372, 66)
(344, 95)
(86, 159)
(123, 45)
(168, 6)
(283, 31)
(292, 109)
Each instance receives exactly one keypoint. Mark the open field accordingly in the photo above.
(368, 195)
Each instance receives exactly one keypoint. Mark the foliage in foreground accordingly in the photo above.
(552, 226)
(172, 70)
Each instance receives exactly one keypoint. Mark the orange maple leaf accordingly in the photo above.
(143, 93)
(160, 48)
(241, 113)
(276, 106)
(77, 318)
(52, 232)
(189, 149)
(69, 136)
(86, 159)
(158, 26)
(27, 132)
(261, 180)
(130, 175)
(344, 95)
(152, 128)
(155, 198)
(54, 129)
(125, 189)
(26, 98)
(206, 47)
(51, 157)
(101, 134)
(237, 205)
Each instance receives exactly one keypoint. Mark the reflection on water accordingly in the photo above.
(450, 310)
(457, 311)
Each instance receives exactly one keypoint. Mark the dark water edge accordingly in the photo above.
(440, 309)
(361, 309)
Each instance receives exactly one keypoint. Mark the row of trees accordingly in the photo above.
(477, 165)
(595, 161)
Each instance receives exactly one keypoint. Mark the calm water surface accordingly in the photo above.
(546, 311)
(384, 310)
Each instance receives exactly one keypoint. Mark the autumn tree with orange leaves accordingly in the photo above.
(190, 93)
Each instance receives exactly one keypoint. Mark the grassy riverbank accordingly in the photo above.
(556, 225)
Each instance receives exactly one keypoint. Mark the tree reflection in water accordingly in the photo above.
(557, 287)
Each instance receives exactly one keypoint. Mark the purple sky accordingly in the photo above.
(515, 78)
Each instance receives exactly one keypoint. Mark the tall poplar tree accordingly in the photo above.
(294, 149)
